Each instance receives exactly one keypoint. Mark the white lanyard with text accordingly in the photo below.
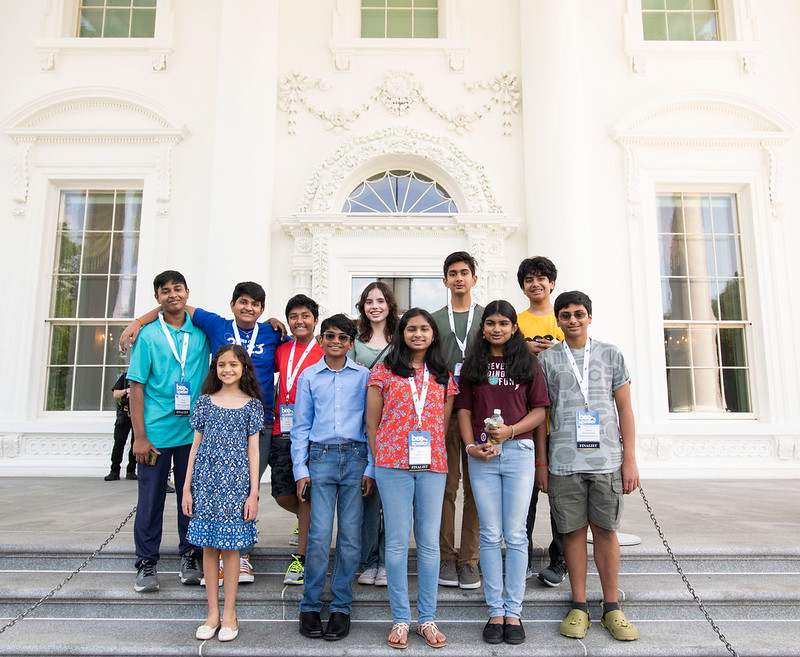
(462, 344)
(291, 374)
(237, 338)
(583, 381)
(182, 358)
(419, 400)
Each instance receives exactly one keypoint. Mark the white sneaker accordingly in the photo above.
(368, 576)
(380, 578)
(245, 571)
(293, 537)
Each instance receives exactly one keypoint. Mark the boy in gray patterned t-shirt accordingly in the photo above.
(592, 458)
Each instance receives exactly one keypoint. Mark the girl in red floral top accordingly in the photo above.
(409, 400)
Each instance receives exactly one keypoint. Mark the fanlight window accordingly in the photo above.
(399, 191)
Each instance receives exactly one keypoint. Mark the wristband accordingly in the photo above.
(538, 464)
(140, 321)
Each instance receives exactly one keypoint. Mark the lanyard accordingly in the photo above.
(462, 344)
(419, 400)
(291, 374)
(583, 381)
(237, 338)
(182, 358)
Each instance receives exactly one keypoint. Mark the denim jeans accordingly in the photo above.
(502, 487)
(373, 539)
(335, 472)
(405, 494)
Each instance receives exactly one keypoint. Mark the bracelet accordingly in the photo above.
(466, 447)
(538, 464)
(512, 432)
(140, 321)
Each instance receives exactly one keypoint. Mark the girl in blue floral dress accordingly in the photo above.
(220, 494)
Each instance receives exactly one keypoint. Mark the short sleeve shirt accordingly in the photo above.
(450, 349)
(607, 373)
(399, 417)
(532, 325)
(282, 354)
(220, 331)
(154, 365)
(514, 400)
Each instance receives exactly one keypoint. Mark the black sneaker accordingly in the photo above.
(170, 489)
(131, 476)
(146, 577)
(191, 573)
(554, 574)
(111, 476)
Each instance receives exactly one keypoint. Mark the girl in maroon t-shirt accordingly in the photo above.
(500, 373)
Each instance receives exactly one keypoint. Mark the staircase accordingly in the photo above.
(753, 597)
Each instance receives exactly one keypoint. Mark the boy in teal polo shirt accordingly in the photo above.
(168, 364)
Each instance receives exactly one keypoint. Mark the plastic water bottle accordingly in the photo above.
(492, 423)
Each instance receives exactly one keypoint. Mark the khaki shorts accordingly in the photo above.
(582, 498)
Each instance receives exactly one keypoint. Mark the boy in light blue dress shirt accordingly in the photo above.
(333, 469)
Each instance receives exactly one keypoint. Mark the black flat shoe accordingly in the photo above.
(310, 624)
(493, 633)
(513, 634)
(338, 626)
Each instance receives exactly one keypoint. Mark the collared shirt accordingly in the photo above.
(154, 365)
(330, 408)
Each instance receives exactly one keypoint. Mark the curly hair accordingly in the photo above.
(363, 324)
(520, 363)
(248, 384)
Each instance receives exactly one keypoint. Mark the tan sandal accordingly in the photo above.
(401, 630)
(422, 628)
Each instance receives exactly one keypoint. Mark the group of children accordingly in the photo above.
(361, 431)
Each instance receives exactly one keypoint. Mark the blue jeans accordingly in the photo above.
(373, 538)
(405, 493)
(502, 489)
(335, 472)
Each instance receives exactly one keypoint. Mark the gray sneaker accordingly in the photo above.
(554, 574)
(191, 573)
(448, 575)
(146, 577)
(468, 576)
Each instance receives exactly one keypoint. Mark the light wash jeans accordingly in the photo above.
(406, 493)
(335, 472)
(502, 488)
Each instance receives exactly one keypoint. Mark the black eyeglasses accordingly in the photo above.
(330, 336)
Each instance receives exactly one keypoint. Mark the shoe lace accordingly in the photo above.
(295, 566)
(190, 561)
(296, 529)
(147, 569)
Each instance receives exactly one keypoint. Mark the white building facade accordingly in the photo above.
(648, 147)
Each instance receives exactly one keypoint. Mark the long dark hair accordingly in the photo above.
(248, 384)
(520, 363)
(398, 360)
(363, 324)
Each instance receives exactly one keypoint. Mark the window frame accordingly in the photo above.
(737, 39)
(746, 324)
(59, 37)
(105, 8)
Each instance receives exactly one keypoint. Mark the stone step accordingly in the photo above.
(109, 594)
(659, 637)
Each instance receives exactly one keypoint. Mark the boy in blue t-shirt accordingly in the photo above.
(168, 365)
(259, 339)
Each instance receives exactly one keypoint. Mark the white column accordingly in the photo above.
(244, 148)
(553, 110)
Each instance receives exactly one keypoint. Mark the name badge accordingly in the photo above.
(183, 398)
(419, 450)
(457, 371)
(587, 429)
(286, 416)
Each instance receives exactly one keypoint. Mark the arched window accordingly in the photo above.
(399, 191)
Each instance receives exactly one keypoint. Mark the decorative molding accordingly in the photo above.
(11, 445)
(66, 446)
(399, 92)
(723, 447)
(129, 121)
(327, 178)
(788, 448)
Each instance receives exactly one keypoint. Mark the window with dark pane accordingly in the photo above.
(120, 19)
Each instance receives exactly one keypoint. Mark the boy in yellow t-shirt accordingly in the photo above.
(537, 279)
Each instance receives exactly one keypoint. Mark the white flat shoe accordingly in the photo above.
(228, 633)
(206, 632)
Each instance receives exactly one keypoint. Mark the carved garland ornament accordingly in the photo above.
(399, 93)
